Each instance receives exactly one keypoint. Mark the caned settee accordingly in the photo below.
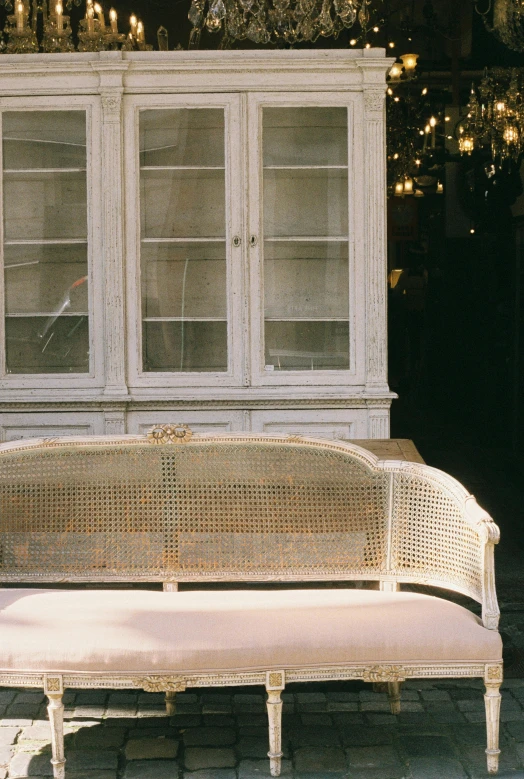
(176, 508)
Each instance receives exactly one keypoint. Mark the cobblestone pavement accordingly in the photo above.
(330, 731)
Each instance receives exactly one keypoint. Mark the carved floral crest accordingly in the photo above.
(170, 434)
(384, 673)
(161, 684)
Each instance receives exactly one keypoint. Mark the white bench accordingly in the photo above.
(237, 508)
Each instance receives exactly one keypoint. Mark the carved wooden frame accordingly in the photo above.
(274, 680)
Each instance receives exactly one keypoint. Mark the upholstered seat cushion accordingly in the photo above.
(136, 630)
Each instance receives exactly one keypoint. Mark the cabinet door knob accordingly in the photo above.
(237, 240)
(254, 240)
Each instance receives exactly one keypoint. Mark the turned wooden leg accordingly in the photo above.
(274, 711)
(492, 699)
(170, 703)
(394, 697)
(55, 710)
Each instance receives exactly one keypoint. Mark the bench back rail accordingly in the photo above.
(174, 507)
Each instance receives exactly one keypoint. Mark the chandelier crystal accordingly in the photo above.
(507, 22)
(496, 116)
(274, 21)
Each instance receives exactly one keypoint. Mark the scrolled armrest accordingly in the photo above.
(489, 534)
(481, 521)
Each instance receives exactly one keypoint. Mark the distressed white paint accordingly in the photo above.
(113, 86)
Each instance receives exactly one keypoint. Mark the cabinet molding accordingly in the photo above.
(324, 368)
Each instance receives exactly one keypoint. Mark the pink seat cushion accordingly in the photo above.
(198, 631)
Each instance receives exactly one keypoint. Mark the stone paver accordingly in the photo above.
(328, 733)
(206, 757)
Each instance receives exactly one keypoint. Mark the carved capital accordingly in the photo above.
(374, 100)
(170, 434)
(161, 684)
(384, 673)
(111, 105)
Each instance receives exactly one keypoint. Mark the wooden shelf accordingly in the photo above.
(184, 319)
(46, 314)
(32, 171)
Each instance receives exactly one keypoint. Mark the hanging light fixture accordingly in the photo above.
(496, 116)
(506, 21)
(271, 21)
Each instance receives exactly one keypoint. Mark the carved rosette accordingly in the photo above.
(374, 100)
(384, 673)
(111, 105)
(170, 434)
(161, 684)
(493, 674)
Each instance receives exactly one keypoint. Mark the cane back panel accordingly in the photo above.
(195, 511)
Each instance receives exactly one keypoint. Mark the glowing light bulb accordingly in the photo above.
(352, 42)
(391, 45)
(408, 185)
(395, 72)
(399, 189)
(409, 61)
(425, 91)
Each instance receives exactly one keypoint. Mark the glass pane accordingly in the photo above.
(183, 203)
(305, 202)
(306, 280)
(305, 136)
(185, 346)
(182, 137)
(184, 280)
(45, 246)
(306, 260)
(183, 254)
(45, 205)
(44, 139)
(47, 344)
(307, 346)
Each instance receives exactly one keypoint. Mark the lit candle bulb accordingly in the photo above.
(19, 16)
(90, 15)
(112, 19)
(140, 32)
(101, 18)
(427, 130)
(133, 24)
(59, 17)
(433, 124)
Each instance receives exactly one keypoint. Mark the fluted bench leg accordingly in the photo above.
(56, 718)
(492, 699)
(394, 697)
(275, 682)
(170, 703)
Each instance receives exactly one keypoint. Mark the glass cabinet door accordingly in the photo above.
(183, 262)
(44, 195)
(305, 261)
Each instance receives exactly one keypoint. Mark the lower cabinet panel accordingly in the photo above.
(15, 426)
(328, 423)
(140, 422)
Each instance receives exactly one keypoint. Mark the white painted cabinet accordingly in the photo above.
(194, 237)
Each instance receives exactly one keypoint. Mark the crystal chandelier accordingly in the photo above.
(274, 21)
(508, 22)
(496, 116)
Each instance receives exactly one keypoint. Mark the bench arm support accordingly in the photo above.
(489, 535)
